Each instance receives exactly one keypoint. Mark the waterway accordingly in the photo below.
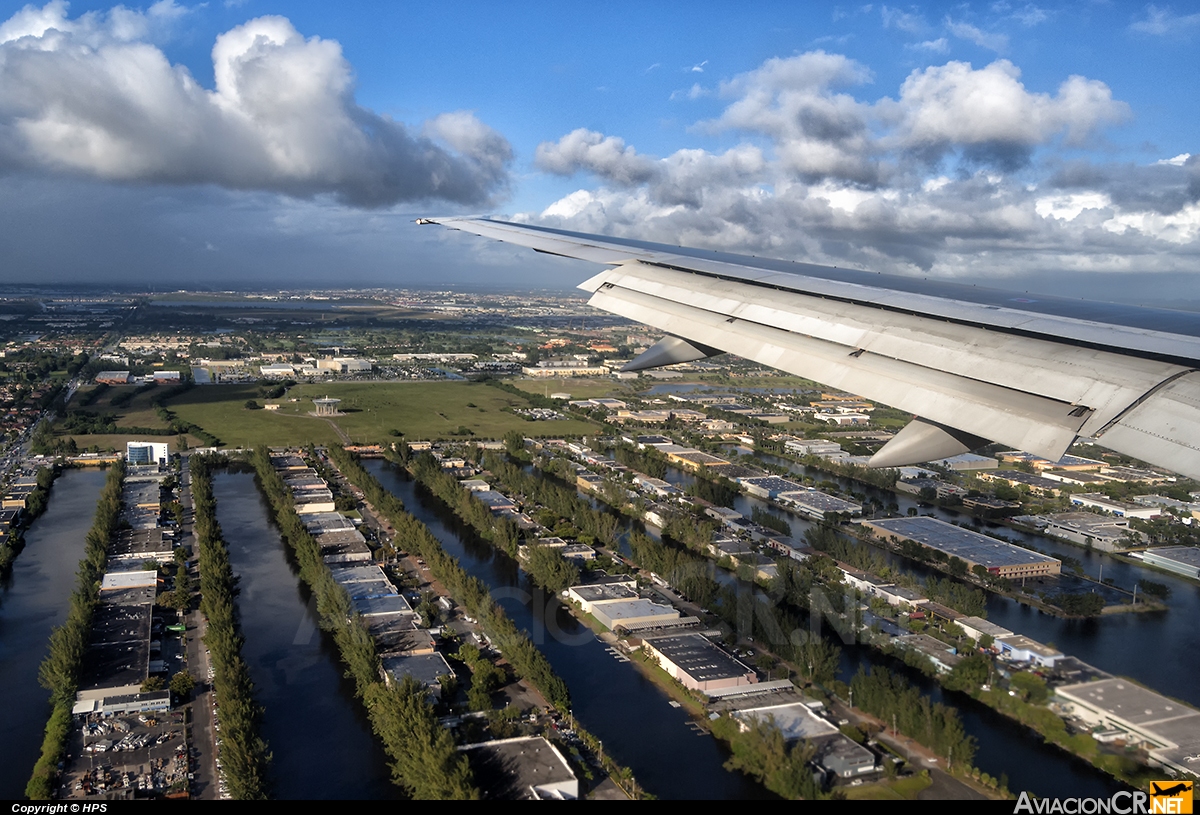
(632, 717)
(318, 733)
(34, 598)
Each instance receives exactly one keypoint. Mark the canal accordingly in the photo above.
(669, 755)
(320, 738)
(34, 598)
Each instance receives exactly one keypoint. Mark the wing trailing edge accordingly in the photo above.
(972, 373)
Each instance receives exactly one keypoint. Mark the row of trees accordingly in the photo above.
(761, 752)
(424, 760)
(526, 660)
(763, 518)
(244, 755)
(681, 560)
(470, 592)
(594, 527)
(60, 670)
(35, 505)
(502, 533)
(889, 697)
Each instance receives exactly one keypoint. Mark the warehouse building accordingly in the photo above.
(527, 768)
(697, 663)
(1103, 532)
(816, 504)
(634, 615)
(1016, 478)
(1184, 560)
(770, 486)
(1170, 730)
(1122, 509)
(999, 558)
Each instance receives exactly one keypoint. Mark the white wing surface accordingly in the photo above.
(975, 365)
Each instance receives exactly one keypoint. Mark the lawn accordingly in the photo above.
(419, 410)
(899, 789)
(578, 387)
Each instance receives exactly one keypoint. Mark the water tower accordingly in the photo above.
(327, 406)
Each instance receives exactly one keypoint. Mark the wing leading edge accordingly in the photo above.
(972, 371)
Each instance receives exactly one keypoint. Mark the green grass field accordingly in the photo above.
(419, 410)
(901, 789)
(579, 388)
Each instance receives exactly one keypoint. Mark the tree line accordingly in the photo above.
(424, 760)
(890, 698)
(60, 670)
(35, 505)
(469, 592)
(243, 753)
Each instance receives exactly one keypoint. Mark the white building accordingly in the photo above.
(147, 452)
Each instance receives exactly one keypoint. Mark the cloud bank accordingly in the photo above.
(93, 97)
(962, 171)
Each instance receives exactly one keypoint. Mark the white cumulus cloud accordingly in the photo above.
(93, 97)
(940, 177)
(990, 110)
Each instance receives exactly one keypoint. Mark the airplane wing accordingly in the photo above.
(973, 364)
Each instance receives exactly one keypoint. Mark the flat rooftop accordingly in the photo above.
(514, 769)
(773, 483)
(1188, 555)
(735, 471)
(1145, 711)
(698, 657)
(819, 501)
(962, 543)
(425, 668)
(794, 720)
(357, 574)
(636, 609)
(600, 593)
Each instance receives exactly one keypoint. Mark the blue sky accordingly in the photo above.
(984, 141)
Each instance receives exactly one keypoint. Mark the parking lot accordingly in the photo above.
(129, 756)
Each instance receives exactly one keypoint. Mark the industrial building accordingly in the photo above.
(344, 365)
(112, 378)
(590, 596)
(635, 615)
(371, 592)
(343, 546)
(977, 627)
(770, 486)
(816, 504)
(1016, 478)
(1019, 648)
(1122, 509)
(812, 447)
(1103, 532)
(967, 461)
(838, 756)
(527, 768)
(426, 669)
(999, 558)
(693, 459)
(1184, 560)
(564, 367)
(697, 663)
(1170, 730)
